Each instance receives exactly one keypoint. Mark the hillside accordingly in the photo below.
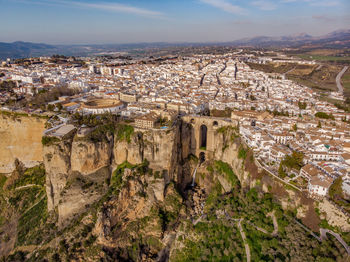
(131, 195)
(24, 49)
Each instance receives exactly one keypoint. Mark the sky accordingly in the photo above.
(134, 21)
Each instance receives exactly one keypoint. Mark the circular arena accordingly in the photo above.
(100, 106)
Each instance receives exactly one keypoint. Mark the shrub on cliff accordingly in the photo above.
(225, 168)
(124, 132)
(242, 152)
(100, 133)
(49, 140)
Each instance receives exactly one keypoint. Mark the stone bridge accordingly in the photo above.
(204, 128)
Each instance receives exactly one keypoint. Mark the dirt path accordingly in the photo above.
(246, 246)
(36, 203)
(258, 228)
(27, 186)
(275, 176)
(275, 224)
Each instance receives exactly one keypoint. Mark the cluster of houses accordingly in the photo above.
(325, 147)
(276, 115)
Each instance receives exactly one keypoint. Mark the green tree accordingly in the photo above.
(336, 190)
(59, 106)
(302, 105)
(281, 171)
(324, 115)
(293, 161)
(50, 107)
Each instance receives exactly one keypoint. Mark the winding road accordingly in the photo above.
(338, 79)
(323, 233)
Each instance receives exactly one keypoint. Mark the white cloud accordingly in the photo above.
(225, 6)
(264, 5)
(325, 3)
(323, 18)
(110, 7)
(116, 7)
(293, 1)
(288, 1)
(321, 3)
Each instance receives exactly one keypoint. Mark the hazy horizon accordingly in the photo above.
(61, 22)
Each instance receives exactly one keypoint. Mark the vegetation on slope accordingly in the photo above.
(216, 237)
(49, 140)
(24, 217)
(124, 132)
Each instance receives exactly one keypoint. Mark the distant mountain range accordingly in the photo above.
(336, 39)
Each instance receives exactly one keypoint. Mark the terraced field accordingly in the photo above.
(321, 78)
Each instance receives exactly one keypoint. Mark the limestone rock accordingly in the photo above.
(159, 147)
(57, 166)
(154, 145)
(131, 152)
(80, 192)
(88, 156)
(20, 138)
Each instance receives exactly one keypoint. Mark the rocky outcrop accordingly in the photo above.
(57, 166)
(182, 162)
(66, 160)
(73, 166)
(87, 156)
(20, 138)
(159, 147)
(154, 145)
(141, 211)
(79, 192)
(129, 151)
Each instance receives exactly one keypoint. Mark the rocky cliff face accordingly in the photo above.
(154, 145)
(57, 163)
(76, 170)
(142, 212)
(168, 152)
(129, 151)
(20, 138)
(112, 204)
(87, 156)
(74, 157)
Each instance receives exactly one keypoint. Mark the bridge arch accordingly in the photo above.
(203, 136)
